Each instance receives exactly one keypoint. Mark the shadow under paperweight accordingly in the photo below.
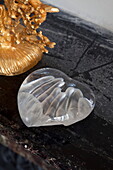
(49, 97)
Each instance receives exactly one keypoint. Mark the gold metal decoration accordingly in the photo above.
(21, 46)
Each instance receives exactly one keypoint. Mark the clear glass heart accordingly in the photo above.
(49, 97)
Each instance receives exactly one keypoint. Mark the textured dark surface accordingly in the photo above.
(12, 161)
(86, 56)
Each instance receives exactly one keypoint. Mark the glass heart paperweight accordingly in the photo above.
(49, 97)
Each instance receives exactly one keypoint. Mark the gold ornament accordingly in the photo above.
(21, 46)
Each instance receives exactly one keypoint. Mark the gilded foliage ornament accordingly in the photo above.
(21, 45)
